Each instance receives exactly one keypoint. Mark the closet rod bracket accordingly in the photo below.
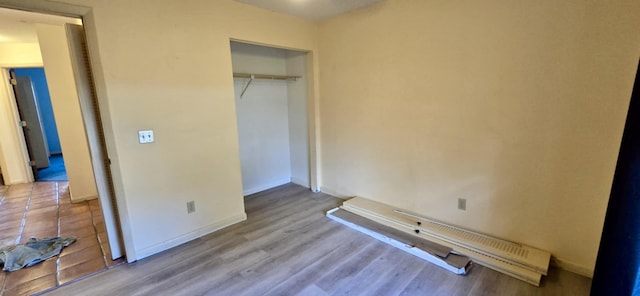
(247, 85)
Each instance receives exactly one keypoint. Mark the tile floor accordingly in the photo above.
(44, 209)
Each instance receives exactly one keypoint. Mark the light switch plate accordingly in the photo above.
(145, 137)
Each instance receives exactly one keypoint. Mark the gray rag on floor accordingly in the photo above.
(33, 252)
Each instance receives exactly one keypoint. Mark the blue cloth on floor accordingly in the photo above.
(33, 252)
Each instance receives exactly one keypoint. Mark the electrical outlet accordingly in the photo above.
(462, 204)
(191, 207)
(145, 137)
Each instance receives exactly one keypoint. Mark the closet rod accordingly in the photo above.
(261, 76)
(264, 76)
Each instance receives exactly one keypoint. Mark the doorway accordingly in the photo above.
(98, 214)
(39, 125)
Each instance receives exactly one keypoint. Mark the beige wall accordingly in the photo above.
(12, 146)
(66, 109)
(166, 65)
(20, 54)
(516, 106)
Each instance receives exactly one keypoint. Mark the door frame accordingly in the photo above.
(88, 20)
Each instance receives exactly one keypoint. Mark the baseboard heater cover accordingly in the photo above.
(514, 259)
(439, 255)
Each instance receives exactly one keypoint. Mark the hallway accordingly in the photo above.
(44, 209)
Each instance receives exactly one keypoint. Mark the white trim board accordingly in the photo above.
(517, 260)
(411, 249)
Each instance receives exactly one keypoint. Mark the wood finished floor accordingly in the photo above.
(288, 247)
(44, 209)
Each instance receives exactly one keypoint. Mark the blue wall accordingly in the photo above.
(39, 81)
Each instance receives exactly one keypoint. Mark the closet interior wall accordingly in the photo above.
(272, 117)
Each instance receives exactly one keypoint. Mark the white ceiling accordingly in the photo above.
(313, 10)
(18, 26)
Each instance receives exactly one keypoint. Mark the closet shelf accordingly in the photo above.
(252, 76)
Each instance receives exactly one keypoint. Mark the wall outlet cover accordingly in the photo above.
(462, 204)
(145, 136)
(191, 207)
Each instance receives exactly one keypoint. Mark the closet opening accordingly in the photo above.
(271, 95)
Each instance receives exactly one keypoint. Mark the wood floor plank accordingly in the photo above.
(397, 276)
(375, 272)
(345, 272)
(306, 277)
(284, 264)
(288, 247)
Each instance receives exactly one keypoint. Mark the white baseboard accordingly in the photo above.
(301, 182)
(264, 187)
(146, 252)
(335, 193)
(81, 199)
(572, 267)
(16, 181)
